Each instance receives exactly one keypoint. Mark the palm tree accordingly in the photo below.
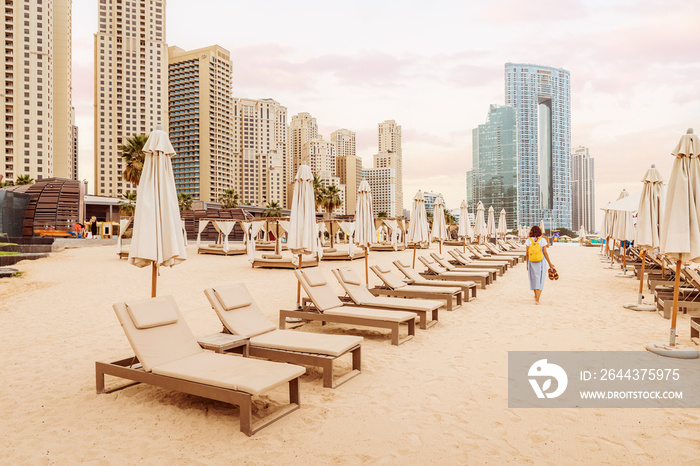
(23, 179)
(7, 183)
(132, 153)
(319, 191)
(449, 218)
(229, 199)
(273, 209)
(382, 214)
(127, 204)
(331, 199)
(184, 201)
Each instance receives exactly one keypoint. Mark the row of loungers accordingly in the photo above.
(168, 355)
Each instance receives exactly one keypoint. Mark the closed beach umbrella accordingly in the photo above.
(680, 226)
(480, 223)
(418, 228)
(502, 223)
(303, 233)
(157, 236)
(464, 225)
(439, 230)
(491, 224)
(542, 226)
(364, 231)
(649, 215)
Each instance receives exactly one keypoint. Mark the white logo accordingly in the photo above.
(543, 369)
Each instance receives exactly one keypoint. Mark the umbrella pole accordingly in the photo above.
(440, 247)
(624, 258)
(663, 267)
(277, 237)
(367, 266)
(154, 279)
(330, 224)
(299, 286)
(641, 277)
(414, 255)
(676, 287)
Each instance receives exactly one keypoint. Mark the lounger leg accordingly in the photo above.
(357, 359)
(448, 302)
(246, 414)
(474, 292)
(294, 391)
(395, 334)
(459, 299)
(99, 379)
(423, 322)
(283, 320)
(412, 327)
(327, 368)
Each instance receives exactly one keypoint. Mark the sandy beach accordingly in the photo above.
(440, 398)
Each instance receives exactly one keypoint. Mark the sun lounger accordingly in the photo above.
(241, 316)
(468, 287)
(356, 291)
(484, 252)
(278, 261)
(167, 355)
(689, 294)
(387, 247)
(327, 307)
(445, 264)
(460, 263)
(234, 249)
(394, 286)
(435, 271)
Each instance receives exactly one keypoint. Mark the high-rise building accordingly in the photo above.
(541, 98)
(74, 160)
(201, 121)
(582, 190)
(429, 203)
(493, 179)
(37, 88)
(382, 182)
(391, 156)
(348, 167)
(260, 151)
(320, 156)
(302, 128)
(131, 76)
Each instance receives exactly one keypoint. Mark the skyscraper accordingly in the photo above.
(348, 166)
(260, 151)
(382, 182)
(131, 59)
(582, 190)
(541, 98)
(37, 88)
(391, 156)
(302, 129)
(200, 120)
(493, 179)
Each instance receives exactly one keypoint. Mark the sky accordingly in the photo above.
(435, 67)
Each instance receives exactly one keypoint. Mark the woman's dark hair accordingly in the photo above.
(535, 232)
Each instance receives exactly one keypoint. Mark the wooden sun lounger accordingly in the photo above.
(386, 247)
(435, 272)
(327, 307)
(270, 261)
(342, 255)
(468, 287)
(168, 356)
(359, 295)
(234, 249)
(460, 263)
(240, 315)
(393, 286)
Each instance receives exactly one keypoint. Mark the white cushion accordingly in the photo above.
(233, 296)
(292, 340)
(348, 276)
(151, 313)
(314, 277)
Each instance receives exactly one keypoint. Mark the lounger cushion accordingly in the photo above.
(314, 277)
(272, 256)
(390, 279)
(247, 375)
(292, 340)
(429, 288)
(383, 268)
(403, 303)
(233, 296)
(372, 314)
(151, 313)
(329, 250)
(349, 277)
(323, 297)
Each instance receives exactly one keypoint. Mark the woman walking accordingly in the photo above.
(537, 260)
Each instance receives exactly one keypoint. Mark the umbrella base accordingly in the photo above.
(625, 275)
(639, 307)
(677, 351)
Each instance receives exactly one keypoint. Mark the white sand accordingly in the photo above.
(440, 398)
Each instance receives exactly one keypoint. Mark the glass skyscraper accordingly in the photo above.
(541, 97)
(494, 177)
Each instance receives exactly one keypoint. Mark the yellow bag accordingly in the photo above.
(535, 251)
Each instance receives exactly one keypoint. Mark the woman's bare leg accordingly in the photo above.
(538, 293)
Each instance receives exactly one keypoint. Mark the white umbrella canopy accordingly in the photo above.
(302, 238)
(480, 222)
(502, 223)
(439, 230)
(582, 232)
(463, 220)
(418, 227)
(491, 224)
(680, 226)
(650, 210)
(542, 226)
(365, 232)
(157, 236)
